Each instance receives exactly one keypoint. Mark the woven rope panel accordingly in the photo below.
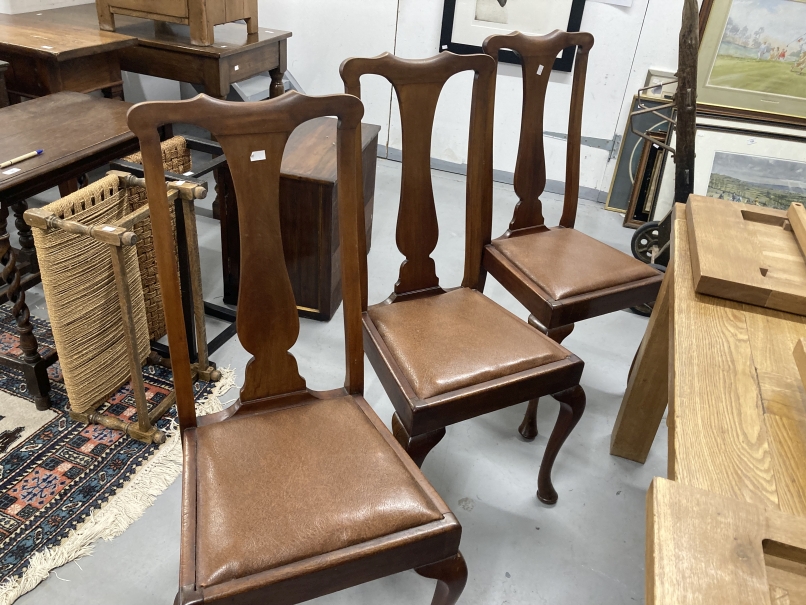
(175, 158)
(82, 297)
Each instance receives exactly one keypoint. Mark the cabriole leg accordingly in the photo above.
(572, 405)
(528, 428)
(417, 447)
(451, 577)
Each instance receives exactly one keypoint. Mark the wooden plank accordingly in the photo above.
(718, 438)
(799, 355)
(797, 219)
(703, 548)
(744, 253)
(647, 391)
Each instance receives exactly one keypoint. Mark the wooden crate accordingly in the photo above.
(308, 217)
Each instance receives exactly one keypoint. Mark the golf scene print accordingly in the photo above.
(763, 48)
(750, 179)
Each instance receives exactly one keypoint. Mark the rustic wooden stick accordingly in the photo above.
(130, 333)
(108, 234)
(194, 262)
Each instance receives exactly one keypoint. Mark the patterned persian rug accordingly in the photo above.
(64, 485)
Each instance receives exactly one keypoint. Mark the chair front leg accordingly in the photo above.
(417, 447)
(572, 405)
(451, 577)
(528, 428)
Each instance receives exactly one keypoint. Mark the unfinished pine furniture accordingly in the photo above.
(199, 15)
(705, 548)
(309, 217)
(559, 274)
(338, 501)
(444, 356)
(737, 406)
(49, 57)
(165, 50)
(91, 276)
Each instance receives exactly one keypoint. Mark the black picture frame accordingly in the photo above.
(563, 63)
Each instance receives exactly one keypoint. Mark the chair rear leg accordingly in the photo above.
(572, 405)
(528, 428)
(416, 447)
(451, 577)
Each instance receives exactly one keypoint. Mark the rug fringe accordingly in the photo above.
(123, 509)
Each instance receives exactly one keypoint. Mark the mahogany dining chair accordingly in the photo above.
(444, 356)
(290, 493)
(559, 274)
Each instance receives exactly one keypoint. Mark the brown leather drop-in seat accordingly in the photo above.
(288, 485)
(459, 339)
(566, 263)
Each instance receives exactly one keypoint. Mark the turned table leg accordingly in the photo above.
(33, 366)
(27, 253)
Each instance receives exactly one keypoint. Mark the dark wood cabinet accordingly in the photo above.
(308, 217)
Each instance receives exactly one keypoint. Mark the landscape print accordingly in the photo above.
(763, 48)
(750, 179)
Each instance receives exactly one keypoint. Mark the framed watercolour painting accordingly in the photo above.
(743, 161)
(753, 57)
(467, 23)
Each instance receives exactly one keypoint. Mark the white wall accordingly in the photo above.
(13, 7)
(629, 40)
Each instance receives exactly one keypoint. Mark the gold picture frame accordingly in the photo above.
(752, 59)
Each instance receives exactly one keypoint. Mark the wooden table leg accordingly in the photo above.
(27, 253)
(647, 392)
(278, 72)
(31, 363)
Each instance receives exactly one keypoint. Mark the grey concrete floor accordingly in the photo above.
(589, 548)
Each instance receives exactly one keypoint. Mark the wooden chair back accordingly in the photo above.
(253, 137)
(418, 84)
(537, 54)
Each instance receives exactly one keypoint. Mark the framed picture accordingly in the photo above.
(751, 162)
(647, 179)
(753, 57)
(467, 23)
(630, 152)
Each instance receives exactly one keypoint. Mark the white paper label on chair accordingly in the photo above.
(237, 67)
(540, 71)
(12, 171)
(257, 156)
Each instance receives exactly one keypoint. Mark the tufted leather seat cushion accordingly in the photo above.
(459, 339)
(566, 263)
(282, 486)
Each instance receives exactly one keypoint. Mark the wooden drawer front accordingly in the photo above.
(154, 8)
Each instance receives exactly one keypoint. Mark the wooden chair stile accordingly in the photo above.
(559, 274)
(289, 494)
(444, 356)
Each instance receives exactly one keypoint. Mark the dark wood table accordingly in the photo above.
(78, 133)
(164, 49)
(48, 56)
(308, 216)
